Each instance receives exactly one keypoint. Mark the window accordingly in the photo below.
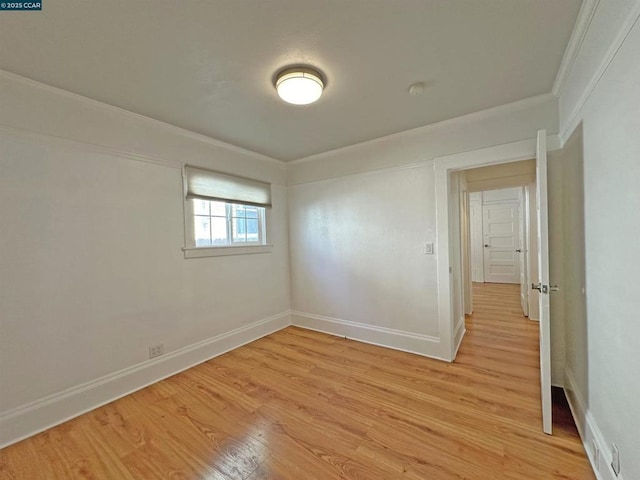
(224, 215)
(217, 224)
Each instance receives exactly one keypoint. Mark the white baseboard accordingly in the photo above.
(458, 335)
(589, 431)
(419, 344)
(27, 420)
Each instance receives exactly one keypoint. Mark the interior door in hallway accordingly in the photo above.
(501, 236)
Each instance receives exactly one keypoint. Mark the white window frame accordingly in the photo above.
(232, 248)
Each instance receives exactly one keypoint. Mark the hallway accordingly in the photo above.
(501, 345)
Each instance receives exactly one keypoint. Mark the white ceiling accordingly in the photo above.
(208, 66)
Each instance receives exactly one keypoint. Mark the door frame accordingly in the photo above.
(524, 246)
(443, 166)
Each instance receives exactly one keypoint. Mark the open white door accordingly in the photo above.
(543, 275)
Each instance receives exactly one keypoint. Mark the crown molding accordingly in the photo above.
(65, 142)
(4, 74)
(575, 117)
(432, 127)
(69, 143)
(375, 171)
(580, 29)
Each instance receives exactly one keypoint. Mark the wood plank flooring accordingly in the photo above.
(303, 405)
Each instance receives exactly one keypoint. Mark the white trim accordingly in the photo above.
(85, 146)
(70, 143)
(460, 332)
(589, 431)
(200, 252)
(575, 118)
(499, 183)
(231, 248)
(444, 124)
(376, 171)
(425, 345)
(510, 152)
(157, 123)
(27, 420)
(580, 29)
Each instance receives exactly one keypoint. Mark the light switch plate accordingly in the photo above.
(428, 248)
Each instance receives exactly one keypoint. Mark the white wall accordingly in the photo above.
(574, 259)
(475, 228)
(455, 254)
(556, 275)
(603, 379)
(357, 252)
(532, 266)
(357, 237)
(91, 266)
(607, 24)
(505, 124)
(465, 243)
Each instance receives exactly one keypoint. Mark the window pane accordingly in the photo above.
(218, 209)
(239, 230)
(211, 223)
(251, 212)
(202, 231)
(200, 207)
(238, 210)
(252, 230)
(219, 231)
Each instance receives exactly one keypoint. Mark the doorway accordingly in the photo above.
(500, 228)
(451, 183)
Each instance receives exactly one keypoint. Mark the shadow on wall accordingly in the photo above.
(574, 274)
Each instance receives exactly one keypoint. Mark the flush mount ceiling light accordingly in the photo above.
(299, 85)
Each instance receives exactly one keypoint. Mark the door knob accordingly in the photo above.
(486, 246)
(519, 250)
(544, 288)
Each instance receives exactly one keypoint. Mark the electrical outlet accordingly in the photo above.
(596, 455)
(615, 459)
(156, 350)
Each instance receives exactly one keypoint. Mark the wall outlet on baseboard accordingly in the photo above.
(156, 350)
(615, 459)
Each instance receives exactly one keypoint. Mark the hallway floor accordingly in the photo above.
(501, 342)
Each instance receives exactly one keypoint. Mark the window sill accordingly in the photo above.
(199, 252)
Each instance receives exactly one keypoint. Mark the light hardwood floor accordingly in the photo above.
(303, 405)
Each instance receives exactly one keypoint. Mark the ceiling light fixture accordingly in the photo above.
(299, 85)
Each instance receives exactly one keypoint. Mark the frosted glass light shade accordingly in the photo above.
(299, 86)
